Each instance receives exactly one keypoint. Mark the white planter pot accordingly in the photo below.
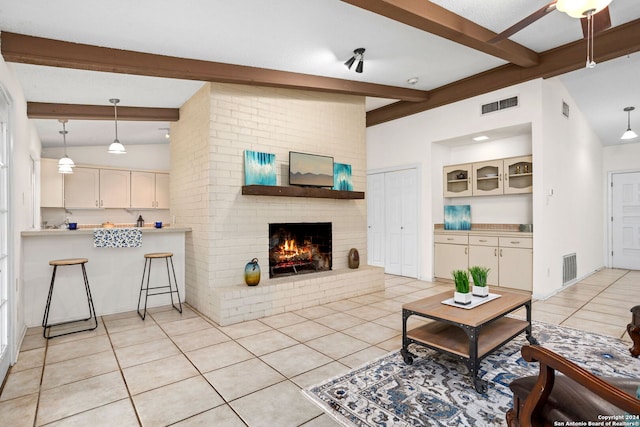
(481, 291)
(460, 298)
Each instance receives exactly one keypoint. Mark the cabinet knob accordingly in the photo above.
(495, 252)
(466, 250)
(483, 240)
(500, 252)
(515, 242)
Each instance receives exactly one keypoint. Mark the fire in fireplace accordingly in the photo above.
(296, 248)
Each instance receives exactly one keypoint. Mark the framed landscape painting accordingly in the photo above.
(342, 177)
(259, 168)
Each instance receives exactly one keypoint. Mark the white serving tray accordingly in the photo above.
(475, 301)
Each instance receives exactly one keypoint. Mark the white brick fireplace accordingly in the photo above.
(229, 229)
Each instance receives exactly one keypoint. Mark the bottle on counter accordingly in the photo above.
(140, 222)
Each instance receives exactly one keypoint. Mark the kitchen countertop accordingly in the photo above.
(486, 233)
(89, 231)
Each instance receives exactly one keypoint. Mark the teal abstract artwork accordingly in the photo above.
(457, 217)
(342, 177)
(259, 168)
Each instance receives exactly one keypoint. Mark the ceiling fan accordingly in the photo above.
(586, 10)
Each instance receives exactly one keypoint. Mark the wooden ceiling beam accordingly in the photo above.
(56, 53)
(437, 20)
(613, 43)
(44, 110)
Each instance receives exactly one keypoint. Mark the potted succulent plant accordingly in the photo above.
(462, 294)
(479, 275)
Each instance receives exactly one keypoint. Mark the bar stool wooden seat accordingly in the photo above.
(146, 272)
(92, 311)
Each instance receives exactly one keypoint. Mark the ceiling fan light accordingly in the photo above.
(117, 148)
(578, 8)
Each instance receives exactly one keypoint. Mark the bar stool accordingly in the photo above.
(92, 311)
(168, 256)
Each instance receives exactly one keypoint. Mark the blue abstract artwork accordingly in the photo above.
(342, 177)
(259, 168)
(457, 217)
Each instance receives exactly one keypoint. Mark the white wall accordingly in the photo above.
(410, 139)
(25, 148)
(565, 154)
(139, 157)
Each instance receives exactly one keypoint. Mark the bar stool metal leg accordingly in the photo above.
(146, 272)
(92, 312)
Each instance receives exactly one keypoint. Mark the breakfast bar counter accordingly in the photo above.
(114, 273)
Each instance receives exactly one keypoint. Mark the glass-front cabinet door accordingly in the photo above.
(457, 180)
(518, 175)
(487, 178)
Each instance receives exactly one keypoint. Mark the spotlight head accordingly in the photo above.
(350, 62)
(358, 55)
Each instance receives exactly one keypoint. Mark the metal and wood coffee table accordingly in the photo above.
(467, 334)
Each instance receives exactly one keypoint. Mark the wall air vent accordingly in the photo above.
(569, 269)
(500, 105)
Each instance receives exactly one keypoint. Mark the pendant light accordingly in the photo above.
(629, 134)
(65, 164)
(116, 147)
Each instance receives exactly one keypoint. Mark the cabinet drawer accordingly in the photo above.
(455, 239)
(516, 242)
(483, 240)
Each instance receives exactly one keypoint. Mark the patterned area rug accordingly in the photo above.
(437, 391)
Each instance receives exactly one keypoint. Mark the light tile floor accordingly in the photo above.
(184, 370)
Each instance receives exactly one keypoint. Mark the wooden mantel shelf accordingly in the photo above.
(318, 193)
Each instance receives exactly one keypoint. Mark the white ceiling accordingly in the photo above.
(310, 36)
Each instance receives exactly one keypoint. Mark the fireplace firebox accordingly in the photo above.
(297, 248)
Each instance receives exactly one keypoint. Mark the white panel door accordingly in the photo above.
(375, 220)
(625, 226)
(393, 222)
(409, 223)
(401, 222)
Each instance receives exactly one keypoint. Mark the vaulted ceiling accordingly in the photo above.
(72, 57)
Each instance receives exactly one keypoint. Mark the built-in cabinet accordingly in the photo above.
(52, 184)
(95, 188)
(90, 188)
(508, 255)
(149, 190)
(494, 177)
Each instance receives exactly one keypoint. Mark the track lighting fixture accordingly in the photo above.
(358, 55)
(116, 147)
(65, 164)
(629, 134)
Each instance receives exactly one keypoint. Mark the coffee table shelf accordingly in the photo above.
(453, 338)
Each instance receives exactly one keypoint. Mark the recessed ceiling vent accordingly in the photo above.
(500, 105)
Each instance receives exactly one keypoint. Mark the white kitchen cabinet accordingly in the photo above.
(115, 188)
(91, 188)
(149, 190)
(51, 184)
(483, 252)
(450, 253)
(516, 263)
(518, 175)
(457, 180)
(162, 191)
(487, 178)
(82, 188)
(494, 177)
(508, 256)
